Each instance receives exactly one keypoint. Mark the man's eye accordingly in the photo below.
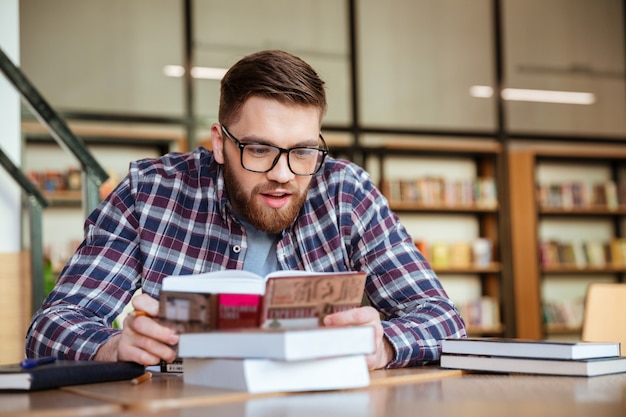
(258, 150)
(304, 152)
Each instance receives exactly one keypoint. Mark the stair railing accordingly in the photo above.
(92, 172)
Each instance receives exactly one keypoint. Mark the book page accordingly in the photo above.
(225, 281)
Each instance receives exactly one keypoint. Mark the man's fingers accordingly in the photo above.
(150, 328)
(143, 302)
(355, 316)
(145, 341)
(147, 354)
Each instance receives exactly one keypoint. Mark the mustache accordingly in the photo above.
(274, 186)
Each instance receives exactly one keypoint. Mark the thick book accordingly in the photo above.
(562, 367)
(267, 375)
(282, 343)
(235, 299)
(523, 348)
(63, 373)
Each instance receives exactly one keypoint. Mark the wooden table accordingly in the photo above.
(168, 390)
(52, 403)
(418, 391)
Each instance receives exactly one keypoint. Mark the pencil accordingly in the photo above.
(138, 313)
(142, 378)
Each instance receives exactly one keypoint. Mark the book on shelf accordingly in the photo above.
(235, 299)
(61, 373)
(480, 313)
(583, 254)
(481, 252)
(528, 365)
(564, 314)
(437, 191)
(577, 195)
(256, 375)
(524, 348)
(617, 251)
(461, 255)
(596, 253)
(440, 255)
(458, 255)
(289, 344)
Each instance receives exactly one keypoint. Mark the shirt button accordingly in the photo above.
(236, 249)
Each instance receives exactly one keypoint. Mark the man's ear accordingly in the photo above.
(217, 142)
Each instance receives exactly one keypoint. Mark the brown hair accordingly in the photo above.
(272, 74)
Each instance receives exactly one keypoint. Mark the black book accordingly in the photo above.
(63, 373)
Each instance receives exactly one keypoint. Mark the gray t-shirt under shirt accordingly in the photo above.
(261, 254)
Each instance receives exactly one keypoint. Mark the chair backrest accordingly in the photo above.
(605, 314)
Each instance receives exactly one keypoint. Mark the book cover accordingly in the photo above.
(266, 375)
(522, 348)
(287, 344)
(501, 364)
(63, 373)
(238, 299)
(304, 300)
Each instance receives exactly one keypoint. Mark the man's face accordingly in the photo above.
(270, 201)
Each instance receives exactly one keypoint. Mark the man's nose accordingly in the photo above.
(281, 172)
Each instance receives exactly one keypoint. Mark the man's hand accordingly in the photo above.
(366, 316)
(142, 339)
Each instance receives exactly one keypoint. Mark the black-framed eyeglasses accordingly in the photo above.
(258, 157)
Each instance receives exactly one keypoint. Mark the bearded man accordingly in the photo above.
(266, 197)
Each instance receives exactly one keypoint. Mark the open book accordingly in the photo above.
(234, 299)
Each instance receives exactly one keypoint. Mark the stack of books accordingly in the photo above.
(278, 360)
(246, 332)
(546, 357)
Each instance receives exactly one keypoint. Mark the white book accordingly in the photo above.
(266, 375)
(281, 343)
(522, 348)
(501, 364)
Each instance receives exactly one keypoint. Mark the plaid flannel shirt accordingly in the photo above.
(171, 216)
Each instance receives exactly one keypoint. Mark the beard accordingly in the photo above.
(266, 219)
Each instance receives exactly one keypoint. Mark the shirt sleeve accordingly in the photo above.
(417, 313)
(98, 281)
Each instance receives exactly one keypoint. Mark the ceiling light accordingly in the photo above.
(548, 96)
(208, 73)
(481, 91)
(174, 70)
(205, 73)
(543, 96)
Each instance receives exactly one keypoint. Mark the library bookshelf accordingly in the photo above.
(572, 226)
(462, 186)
